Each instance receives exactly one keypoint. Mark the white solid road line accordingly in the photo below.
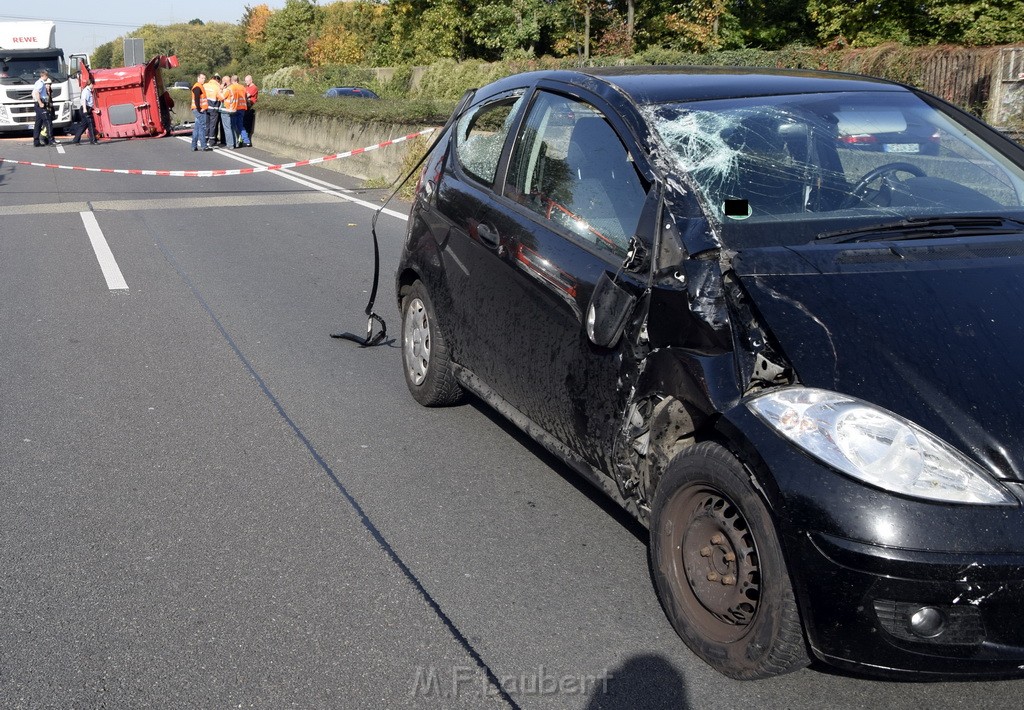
(108, 264)
(307, 181)
(111, 271)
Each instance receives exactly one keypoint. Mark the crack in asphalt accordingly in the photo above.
(367, 522)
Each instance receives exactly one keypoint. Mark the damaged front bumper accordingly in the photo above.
(890, 585)
(911, 612)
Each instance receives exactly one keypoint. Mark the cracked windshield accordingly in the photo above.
(785, 170)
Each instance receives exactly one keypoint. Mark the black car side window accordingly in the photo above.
(570, 167)
(481, 134)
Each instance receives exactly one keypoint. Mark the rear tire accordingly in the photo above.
(425, 359)
(719, 569)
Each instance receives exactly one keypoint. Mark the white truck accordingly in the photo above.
(25, 49)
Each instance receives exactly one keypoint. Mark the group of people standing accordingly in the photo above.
(224, 112)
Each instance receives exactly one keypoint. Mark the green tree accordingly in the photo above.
(867, 24)
(513, 27)
(440, 32)
(371, 22)
(579, 37)
(199, 47)
(288, 32)
(103, 56)
(335, 43)
(695, 25)
(772, 24)
(978, 22)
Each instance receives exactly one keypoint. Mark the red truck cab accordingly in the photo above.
(131, 102)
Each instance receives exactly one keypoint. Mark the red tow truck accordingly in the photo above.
(131, 102)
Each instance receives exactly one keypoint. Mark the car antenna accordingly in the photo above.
(376, 338)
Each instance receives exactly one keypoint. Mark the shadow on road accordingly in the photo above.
(645, 681)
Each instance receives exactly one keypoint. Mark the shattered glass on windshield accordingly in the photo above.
(802, 160)
(745, 162)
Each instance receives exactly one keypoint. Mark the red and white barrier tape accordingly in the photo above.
(219, 173)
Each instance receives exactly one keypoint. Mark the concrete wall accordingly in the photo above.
(300, 138)
(303, 138)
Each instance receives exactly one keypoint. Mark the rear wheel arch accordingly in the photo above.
(404, 281)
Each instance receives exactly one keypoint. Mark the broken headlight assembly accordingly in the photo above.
(877, 447)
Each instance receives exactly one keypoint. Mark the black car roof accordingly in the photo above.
(647, 84)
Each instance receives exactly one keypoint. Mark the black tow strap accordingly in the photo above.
(372, 338)
(376, 338)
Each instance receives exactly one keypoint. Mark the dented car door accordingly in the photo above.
(571, 202)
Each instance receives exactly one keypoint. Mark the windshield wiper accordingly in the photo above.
(924, 228)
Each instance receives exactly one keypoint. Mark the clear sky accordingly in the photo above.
(83, 25)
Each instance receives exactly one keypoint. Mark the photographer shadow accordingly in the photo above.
(645, 681)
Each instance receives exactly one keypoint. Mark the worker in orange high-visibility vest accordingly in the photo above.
(238, 119)
(212, 88)
(199, 108)
(228, 108)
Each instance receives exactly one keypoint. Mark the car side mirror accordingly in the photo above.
(609, 309)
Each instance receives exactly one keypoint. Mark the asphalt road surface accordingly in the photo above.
(207, 502)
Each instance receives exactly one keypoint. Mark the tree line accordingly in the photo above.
(413, 32)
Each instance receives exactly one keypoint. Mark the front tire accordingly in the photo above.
(719, 569)
(425, 359)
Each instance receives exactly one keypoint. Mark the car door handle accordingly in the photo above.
(488, 234)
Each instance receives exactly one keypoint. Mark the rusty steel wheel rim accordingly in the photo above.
(713, 563)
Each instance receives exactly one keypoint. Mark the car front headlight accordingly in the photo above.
(877, 447)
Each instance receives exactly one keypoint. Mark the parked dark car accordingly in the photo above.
(350, 92)
(797, 362)
(281, 92)
(888, 131)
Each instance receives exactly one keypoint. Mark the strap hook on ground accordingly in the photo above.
(372, 338)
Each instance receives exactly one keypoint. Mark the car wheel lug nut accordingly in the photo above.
(729, 580)
(705, 552)
(717, 539)
(712, 576)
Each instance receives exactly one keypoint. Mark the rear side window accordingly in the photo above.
(481, 134)
(570, 167)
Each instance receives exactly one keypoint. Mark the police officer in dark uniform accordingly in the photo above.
(41, 98)
(88, 107)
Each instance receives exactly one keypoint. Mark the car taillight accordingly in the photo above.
(860, 139)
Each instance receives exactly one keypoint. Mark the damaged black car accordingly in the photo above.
(795, 360)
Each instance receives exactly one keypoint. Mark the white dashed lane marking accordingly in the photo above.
(108, 264)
